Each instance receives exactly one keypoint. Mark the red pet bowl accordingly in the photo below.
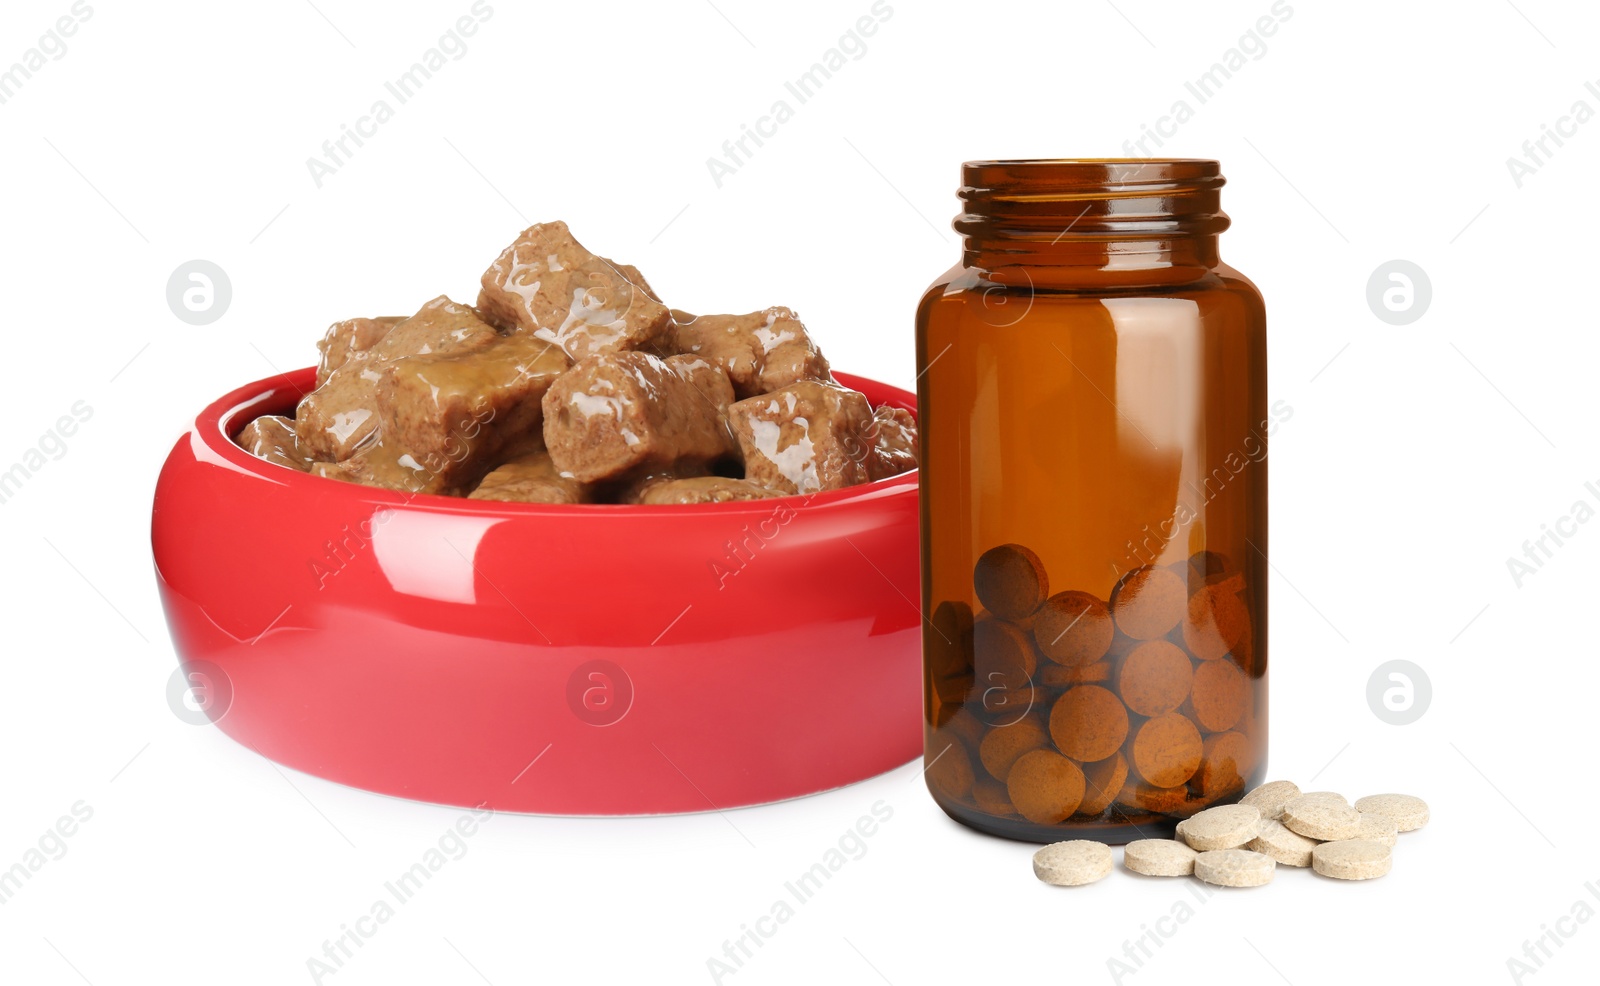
(590, 660)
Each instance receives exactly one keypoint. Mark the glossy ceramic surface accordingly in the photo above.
(554, 659)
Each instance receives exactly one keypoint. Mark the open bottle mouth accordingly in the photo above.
(1091, 222)
(1119, 198)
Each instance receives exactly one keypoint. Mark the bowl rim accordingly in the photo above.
(220, 420)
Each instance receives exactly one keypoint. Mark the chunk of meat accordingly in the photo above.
(380, 464)
(894, 447)
(440, 326)
(805, 438)
(455, 412)
(272, 437)
(629, 487)
(342, 414)
(618, 412)
(547, 284)
(532, 478)
(351, 339)
(700, 489)
(761, 352)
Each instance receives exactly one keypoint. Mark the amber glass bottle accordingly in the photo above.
(1094, 418)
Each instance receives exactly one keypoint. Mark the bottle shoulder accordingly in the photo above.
(959, 280)
(979, 298)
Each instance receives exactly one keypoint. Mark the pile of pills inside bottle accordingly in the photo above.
(1242, 845)
(1067, 710)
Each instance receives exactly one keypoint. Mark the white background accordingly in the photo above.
(1418, 459)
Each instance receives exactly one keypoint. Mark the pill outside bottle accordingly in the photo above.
(1094, 417)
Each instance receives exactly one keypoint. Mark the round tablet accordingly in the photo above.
(949, 646)
(990, 797)
(997, 705)
(1214, 622)
(1288, 848)
(965, 727)
(1002, 745)
(1219, 695)
(1223, 827)
(1322, 820)
(1002, 655)
(951, 692)
(1088, 723)
(1224, 761)
(1155, 678)
(1378, 828)
(1166, 750)
(1073, 628)
(1010, 581)
(1271, 797)
(1149, 602)
(1101, 782)
(1408, 813)
(1159, 857)
(1234, 868)
(1072, 864)
(1136, 793)
(949, 768)
(1045, 786)
(1206, 564)
(1352, 859)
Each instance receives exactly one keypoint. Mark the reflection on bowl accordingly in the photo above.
(596, 659)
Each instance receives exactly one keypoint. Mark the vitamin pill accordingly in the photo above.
(966, 727)
(1219, 695)
(1325, 821)
(1224, 762)
(1271, 797)
(1159, 857)
(1004, 744)
(1155, 678)
(1215, 620)
(1287, 847)
(1072, 864)
(998, 706)
(1166, 750)
(1148, 602)
(1206, 566)
(1138, 794)
(949, 768)
(990, 797)
(1002, 655)
(1352, 859)
(1409, 813)
(954, 689)
(1378, 828)
(1101, 782)
(1089, 723)
(1073, 628)
(1010, 581)
(1223, 827)
(1045, 787)
(949, 645)
(1234, 868)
